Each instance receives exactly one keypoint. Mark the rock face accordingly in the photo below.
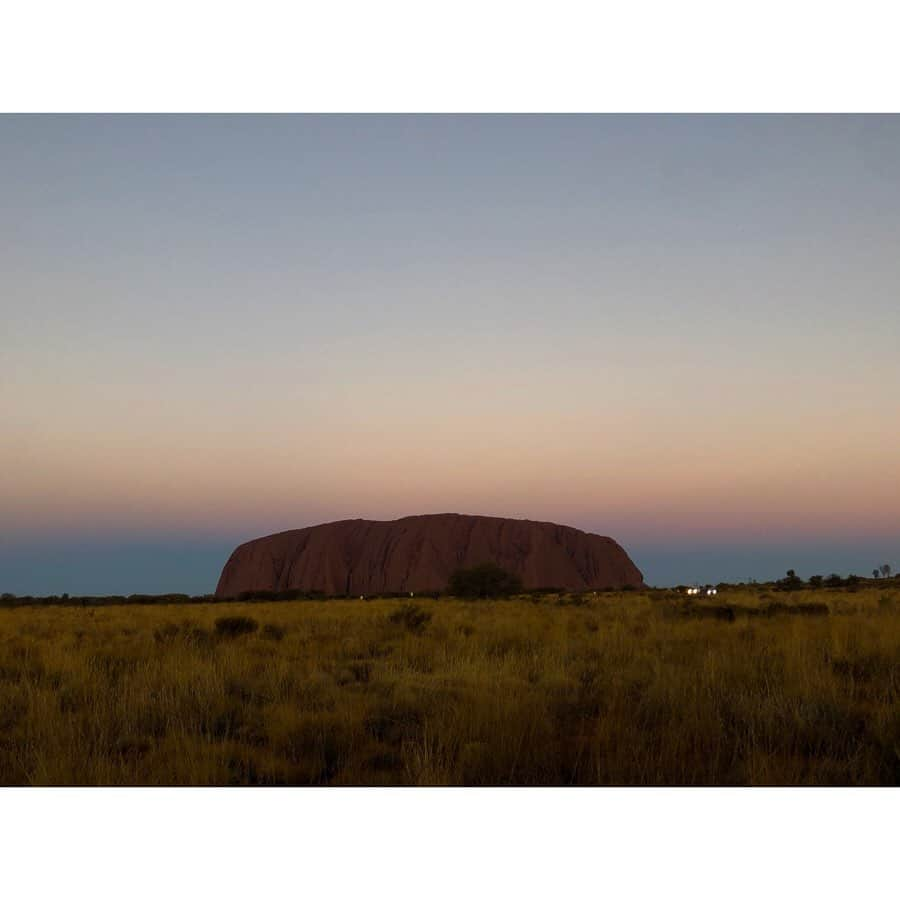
(419, 553)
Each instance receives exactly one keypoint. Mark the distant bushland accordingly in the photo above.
(484, 581)
(11, 600)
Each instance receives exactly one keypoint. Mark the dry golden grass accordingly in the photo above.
(617, 690)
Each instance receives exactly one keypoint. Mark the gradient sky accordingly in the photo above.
(678, 331)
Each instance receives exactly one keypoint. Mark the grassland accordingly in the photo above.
(607, 689)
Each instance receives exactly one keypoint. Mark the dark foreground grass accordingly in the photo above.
(624, 689)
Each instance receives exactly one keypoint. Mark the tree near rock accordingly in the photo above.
(484, 580)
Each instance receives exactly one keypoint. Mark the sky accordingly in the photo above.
(679, 331)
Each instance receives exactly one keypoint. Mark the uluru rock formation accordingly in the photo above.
(419, 553)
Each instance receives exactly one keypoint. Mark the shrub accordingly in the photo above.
(256, 596)
(166, 633)
(719, 611)
(361, 671)
(394, 723)
(411, 617)
(791, 582)
(573, 600)
(786, 609)
(484, 580)
(187, 632)
(273, 632)
(235, 626)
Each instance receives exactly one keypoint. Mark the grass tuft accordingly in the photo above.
(235, 626)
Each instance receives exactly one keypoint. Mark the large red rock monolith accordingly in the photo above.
(419, 553)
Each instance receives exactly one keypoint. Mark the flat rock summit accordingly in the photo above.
(419, 553)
